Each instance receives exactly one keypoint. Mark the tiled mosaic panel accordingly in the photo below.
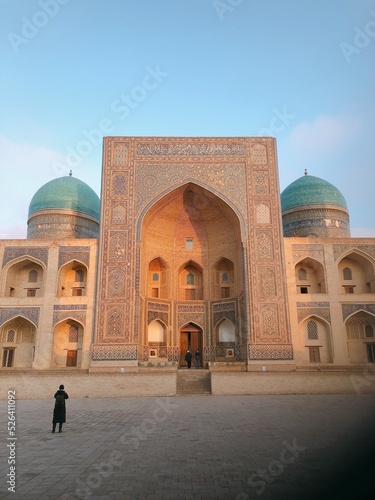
(39, 253)
(270, 352)
(30, 313)
(114, 352)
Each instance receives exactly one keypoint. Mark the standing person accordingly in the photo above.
(197, 359)
(188, 358)
(59, 411)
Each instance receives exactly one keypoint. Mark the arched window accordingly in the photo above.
(190, 279)
(369, 331)
(73, 333)
(312, 330)
(227, 331)
(80, 276)
(302, 274)
(11, 336)
(33, 276)
(155, 277)
(347, 273)
(224, 277)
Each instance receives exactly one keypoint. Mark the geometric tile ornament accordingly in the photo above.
(30, 313)
(139, 172)
(40, 253)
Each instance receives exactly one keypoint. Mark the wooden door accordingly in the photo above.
(71, 358)
(184, 346)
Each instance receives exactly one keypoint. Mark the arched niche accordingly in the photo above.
(360, 332)
(72, 280)
(190, 282)
(17, 343)
(158, 280)
(67, 344)
(356, 274)
(223, 279)
(315, 343)
(24, 278)
(189, 224)
(310, 276)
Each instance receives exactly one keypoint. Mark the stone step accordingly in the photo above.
(193, 382)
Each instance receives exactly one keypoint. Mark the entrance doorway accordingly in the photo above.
(71, 358)
(190, 339)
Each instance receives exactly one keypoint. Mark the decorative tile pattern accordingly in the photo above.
(115, 323)
(270, 352)
(196, 318)
(267, 283)
(218, 316)
(261, 182)
(120, 154)
(259, 154)
(190, 308)
(39, 253)
(67, 254)
(264, 246)
(30, 313)
(263, 214)
(118, 214)
(117, 247)
(157, 306)
(224, 306)
(226, 180)
(79, 316)
(154, 315)
(324, 313)
(349, 309)
(192, 149)
(209, 353)
(116, 283)
(114, 352)
(339, 250)
(70, 307)
(269, 320)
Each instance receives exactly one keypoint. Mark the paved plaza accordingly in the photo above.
(192, 447)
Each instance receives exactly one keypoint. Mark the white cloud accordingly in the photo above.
(324, 135)
(24, 169)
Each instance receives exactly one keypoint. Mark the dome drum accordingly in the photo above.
(314, 207)
(64, 208)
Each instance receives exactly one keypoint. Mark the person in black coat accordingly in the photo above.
(197, 359)
(59, 411)
(188, 358)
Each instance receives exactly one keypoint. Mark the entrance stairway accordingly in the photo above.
(193, 381)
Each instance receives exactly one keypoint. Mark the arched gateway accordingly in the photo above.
(190, 235)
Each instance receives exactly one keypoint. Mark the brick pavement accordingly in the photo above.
(194, 447)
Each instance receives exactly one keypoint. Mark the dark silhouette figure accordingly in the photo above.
(59, 411)
(198, 359)
(188, 358)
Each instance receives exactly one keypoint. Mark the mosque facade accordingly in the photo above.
(191, 246)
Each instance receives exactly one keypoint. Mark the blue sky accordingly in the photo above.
(72, 71)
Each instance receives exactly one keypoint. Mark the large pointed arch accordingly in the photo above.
(177, 187)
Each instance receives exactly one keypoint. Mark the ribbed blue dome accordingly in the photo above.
(310, 191)
(66, 193)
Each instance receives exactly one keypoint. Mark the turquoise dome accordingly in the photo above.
(309, 191)
(66, 193)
